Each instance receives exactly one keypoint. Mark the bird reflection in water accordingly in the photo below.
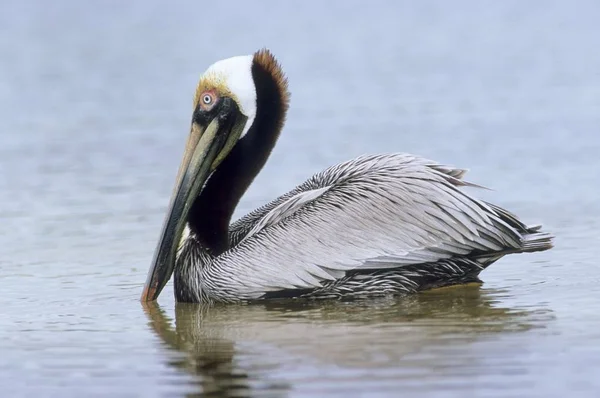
(231, 348)
(210, 357)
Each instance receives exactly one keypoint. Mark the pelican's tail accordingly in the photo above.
(536, 241)
(533, 239)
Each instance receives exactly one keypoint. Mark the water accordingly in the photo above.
(95, 105)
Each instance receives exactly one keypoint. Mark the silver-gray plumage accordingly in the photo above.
(376, 224)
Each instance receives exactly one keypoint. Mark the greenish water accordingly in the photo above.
(96, 102)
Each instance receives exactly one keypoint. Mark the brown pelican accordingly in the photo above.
(375, 225)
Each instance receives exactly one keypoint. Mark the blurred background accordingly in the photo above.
(96, 101)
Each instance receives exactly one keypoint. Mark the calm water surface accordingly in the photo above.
(95, 106)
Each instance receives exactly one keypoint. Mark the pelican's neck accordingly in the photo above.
(211, 212)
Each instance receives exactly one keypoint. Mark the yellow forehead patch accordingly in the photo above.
(213, 81)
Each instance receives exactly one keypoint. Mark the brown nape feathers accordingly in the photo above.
(267, 61)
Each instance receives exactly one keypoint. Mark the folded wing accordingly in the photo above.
(374, 212)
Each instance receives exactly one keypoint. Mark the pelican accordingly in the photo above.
(386, 224)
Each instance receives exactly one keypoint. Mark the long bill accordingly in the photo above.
(202, 149)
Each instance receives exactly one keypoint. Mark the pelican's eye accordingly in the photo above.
(208, 99)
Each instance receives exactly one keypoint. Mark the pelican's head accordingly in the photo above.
(225, 109)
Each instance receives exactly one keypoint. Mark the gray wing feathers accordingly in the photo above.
(284, 209)
(335, 174)
(374, 212)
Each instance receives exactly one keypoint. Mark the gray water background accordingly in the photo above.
(95, 104)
